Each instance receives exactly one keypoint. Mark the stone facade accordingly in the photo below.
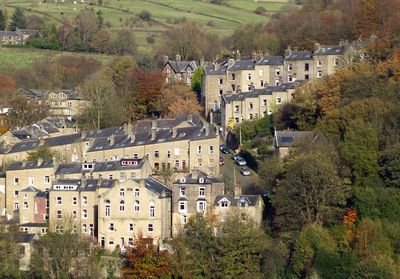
(193, 194)
(60, 103)
(179, 70)
(18, 37)
(254, 104)
(131, 208)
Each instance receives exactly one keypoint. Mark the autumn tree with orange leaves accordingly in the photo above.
(178, 98)
(143, 261)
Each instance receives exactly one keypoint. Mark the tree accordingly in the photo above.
(2, 21)
(101, 41)
(99, 90)
(120, 69)
(61, 250)
(177, 99)
(310, 191)
(389, 166)
(240, 248)
(141, 90)
(9, 253)
(143, 261)
(123, 43)
(18, 19)
(64, 32)
(87, 26)
(24, 112)
(189, 41)
(196, 81)
(42, 152)
(7, 86)
(360, 149)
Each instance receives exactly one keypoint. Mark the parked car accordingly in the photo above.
(235, 156)
(240, 161)
(225, 150)
(221, 161)
(245, 171)
(222, 146)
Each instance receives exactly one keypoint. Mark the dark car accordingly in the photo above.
(225, 150)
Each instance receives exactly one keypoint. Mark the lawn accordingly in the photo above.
(24, 57)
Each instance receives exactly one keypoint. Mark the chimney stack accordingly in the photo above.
(202, 62)
(189, 118)
(178, 57)
(207, 130)
(317, 46)
(39, 161)
(165, 59)
(112, 139)
(174, 132)
(153, 134)
(83, 180)
(288, 51)
(237, 190)
(83, 134)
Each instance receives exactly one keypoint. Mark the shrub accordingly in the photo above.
(150, 39)
(145, 15)
(260, 10)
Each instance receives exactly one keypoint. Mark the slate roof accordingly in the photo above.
(9, 33)
(24, 146)
(212, 70)
(30, 165)
(62, 140)
(329, 50)
(270, 60)
(40, 93)
(163, 133)
(30, 189)
(243, 65)
(2, 174)
(181, 66)
(98, 167)
(25, 237)
(257, 92)
(156, 186)
(89, 185)
(287, 138)
(42, 195)
(194, 177)
(251, 200)
(104, 133)
(299, 55)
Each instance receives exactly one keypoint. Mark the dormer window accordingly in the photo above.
(183, 180)
(201, 180)
(87, 166)
(224, 204)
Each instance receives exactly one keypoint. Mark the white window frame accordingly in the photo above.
(46, 179)
(182, 191)
(202, 191)
(319, 63)
(182, 206)
(201, 206)
(84, 214)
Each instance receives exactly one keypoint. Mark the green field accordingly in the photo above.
(24, 57)
(122, 14)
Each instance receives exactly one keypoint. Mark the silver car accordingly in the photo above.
(245, 171)
(240, 161)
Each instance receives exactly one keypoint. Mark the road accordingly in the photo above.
(248, 183)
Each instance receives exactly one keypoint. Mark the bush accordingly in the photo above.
(260, 10)
(211, 23)
(150, 39)
(262, 149)
(145, 15)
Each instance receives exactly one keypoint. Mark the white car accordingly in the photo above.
(245, 171)
(240, 161)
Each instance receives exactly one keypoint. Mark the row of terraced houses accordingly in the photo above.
(115, 183)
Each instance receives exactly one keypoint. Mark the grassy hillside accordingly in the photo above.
(118, 14)
(24, 57)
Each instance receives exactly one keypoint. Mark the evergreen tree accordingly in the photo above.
(2, 21)
(18, 19)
